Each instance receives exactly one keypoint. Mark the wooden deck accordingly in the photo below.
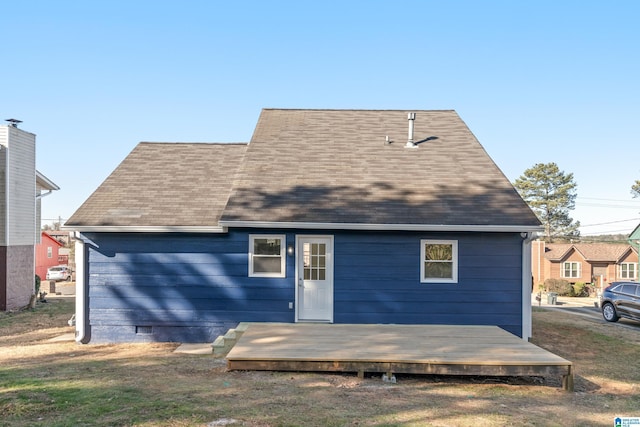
(393, 349)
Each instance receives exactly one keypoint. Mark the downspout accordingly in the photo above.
(637, 247)
(527, 238)
(83, 329)
(40, 196)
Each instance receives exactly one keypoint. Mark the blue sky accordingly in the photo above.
(537, 81)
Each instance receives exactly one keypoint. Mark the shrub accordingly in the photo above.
(38, 280)
(579, 289)
(559, 286)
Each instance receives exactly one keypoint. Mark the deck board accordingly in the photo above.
(420, 349)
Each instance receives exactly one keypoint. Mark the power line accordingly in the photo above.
(610, 222)
(608, 200)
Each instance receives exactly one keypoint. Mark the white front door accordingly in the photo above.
(314, 270)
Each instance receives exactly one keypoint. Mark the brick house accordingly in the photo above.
(597, 263)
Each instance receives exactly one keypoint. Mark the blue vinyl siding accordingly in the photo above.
(377, 280)
(193, 287)
(187, 287)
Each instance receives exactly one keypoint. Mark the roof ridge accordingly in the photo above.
(191, 143)
(358, 109)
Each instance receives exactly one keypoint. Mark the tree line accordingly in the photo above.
(551, 194)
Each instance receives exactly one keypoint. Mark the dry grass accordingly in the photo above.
(51, 383)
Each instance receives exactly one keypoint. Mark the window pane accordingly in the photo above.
(266, 246)
(442, 252)
(571, 269)
(439, 270)
(266, 264)
(322, 274)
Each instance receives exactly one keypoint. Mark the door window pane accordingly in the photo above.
(315, 261)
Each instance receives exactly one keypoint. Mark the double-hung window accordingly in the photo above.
(571, 269)
(628, 270)
(266, 255)
(439, 261)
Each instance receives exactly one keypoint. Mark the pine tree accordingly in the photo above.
(635, 189)
(551, 195)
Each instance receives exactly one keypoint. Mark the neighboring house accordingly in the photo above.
(21, 188)
(597, 263)
(61, 236)
(334, 216)
(48, 254)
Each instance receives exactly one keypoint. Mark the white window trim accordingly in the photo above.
(630, 265)
(454, 261)
(579, 272)
(283, 252)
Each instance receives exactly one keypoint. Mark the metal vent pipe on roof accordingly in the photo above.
(410, 144)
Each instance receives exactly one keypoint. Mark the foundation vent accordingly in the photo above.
(144, 330)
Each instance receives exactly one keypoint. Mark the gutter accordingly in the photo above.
(383, 227)
(143, 229)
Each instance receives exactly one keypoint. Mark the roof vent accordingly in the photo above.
(410, 144)
(14, 122)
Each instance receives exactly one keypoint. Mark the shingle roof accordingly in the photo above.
(314, 167)
(164, 185)
(333, 166)
(593, 252)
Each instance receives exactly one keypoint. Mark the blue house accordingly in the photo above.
(336, 216)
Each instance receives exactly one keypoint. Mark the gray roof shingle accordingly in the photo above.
(314, 167)
(164, 185)
(333, 166)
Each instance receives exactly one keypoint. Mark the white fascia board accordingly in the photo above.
(45, 183)
(383, 227)
(144, 229)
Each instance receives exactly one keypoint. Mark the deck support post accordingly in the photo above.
(567, 380)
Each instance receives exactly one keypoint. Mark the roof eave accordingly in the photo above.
(144, 229)
(45, 183)
(382, 227)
